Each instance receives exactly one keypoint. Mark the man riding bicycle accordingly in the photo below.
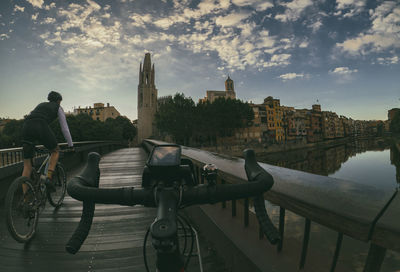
(36, 129)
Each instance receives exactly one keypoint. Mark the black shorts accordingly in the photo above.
(37, 131)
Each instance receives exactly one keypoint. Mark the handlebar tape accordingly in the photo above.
(82, 231)
(89, 177)
(255, 173)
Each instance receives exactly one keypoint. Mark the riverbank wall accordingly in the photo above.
(237, 150)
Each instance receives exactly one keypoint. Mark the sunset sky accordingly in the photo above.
(343, 54)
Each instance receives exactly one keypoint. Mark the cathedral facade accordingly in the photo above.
(147, 99)
(228, 93)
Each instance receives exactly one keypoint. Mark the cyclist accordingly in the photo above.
(36, 129)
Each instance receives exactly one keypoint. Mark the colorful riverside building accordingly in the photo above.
(267, 126)
(99, 111)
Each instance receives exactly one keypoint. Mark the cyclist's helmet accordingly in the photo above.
(54, 96)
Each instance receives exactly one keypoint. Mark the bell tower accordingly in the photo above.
(147, 99)
(229, 88)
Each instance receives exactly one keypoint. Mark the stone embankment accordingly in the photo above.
(237, 150)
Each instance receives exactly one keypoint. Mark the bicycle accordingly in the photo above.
(23, 210)
(168, 184)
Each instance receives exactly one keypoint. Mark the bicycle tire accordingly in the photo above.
(21, 223)
(60, 182)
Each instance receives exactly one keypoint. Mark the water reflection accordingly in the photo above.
(328, 161)
(374, 162)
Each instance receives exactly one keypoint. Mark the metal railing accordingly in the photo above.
(10, 156)
(357, 210)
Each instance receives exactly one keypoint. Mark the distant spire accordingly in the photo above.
(147, 62)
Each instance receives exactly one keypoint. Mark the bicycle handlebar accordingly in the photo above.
(85, 188)
(89, 178)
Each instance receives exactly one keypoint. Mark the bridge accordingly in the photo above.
(348, 210)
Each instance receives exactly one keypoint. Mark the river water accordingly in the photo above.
(370, 162)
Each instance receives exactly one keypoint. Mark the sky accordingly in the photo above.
(342, 54)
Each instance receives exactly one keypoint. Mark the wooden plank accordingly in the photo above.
(116, 238)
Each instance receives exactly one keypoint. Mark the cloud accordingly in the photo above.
(349, 8)
(139, 20)
(388, 60)
(258, 5)
(18, 8)
(383, 34)
(343, 71)
(4, 37)
(48, 7)
(35, 16)
(232, 19)
(290, 76)
(316, 25)
(278, 60)
(36, 3)
(48, 20)
(293, 10)
(304, 44)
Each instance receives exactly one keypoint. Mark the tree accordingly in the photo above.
(204, 122)
(83, 128)
(11, 134)
(175, 117)
(221, 118)
(395, 123)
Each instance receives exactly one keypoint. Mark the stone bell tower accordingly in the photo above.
(147, 99)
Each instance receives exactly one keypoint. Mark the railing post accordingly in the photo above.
(306, 238)
(246, 212)
(281, 227)
(233, 207)
(337, 250)
(201, 176)
(376, 254)
(223, 202)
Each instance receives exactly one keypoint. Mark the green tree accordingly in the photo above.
(221, 118)
(175, 117)
(11, 134)
(395, 123)
(83, 128)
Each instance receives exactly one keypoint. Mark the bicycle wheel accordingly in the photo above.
(60, 182)
(21, 212)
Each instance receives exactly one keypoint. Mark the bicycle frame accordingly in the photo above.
(44, 164)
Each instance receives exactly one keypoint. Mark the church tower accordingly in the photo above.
(147, 99)
(229, 88)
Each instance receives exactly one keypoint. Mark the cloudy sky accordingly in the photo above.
(343, 54)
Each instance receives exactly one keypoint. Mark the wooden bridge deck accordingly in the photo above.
(116, 238)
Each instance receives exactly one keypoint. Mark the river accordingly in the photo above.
(370, 162)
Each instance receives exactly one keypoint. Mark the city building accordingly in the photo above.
(328, 125)
(147, 99)
(302, 118)
(228, 93)
(98, 112)
(267, 126)
(314, 134)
